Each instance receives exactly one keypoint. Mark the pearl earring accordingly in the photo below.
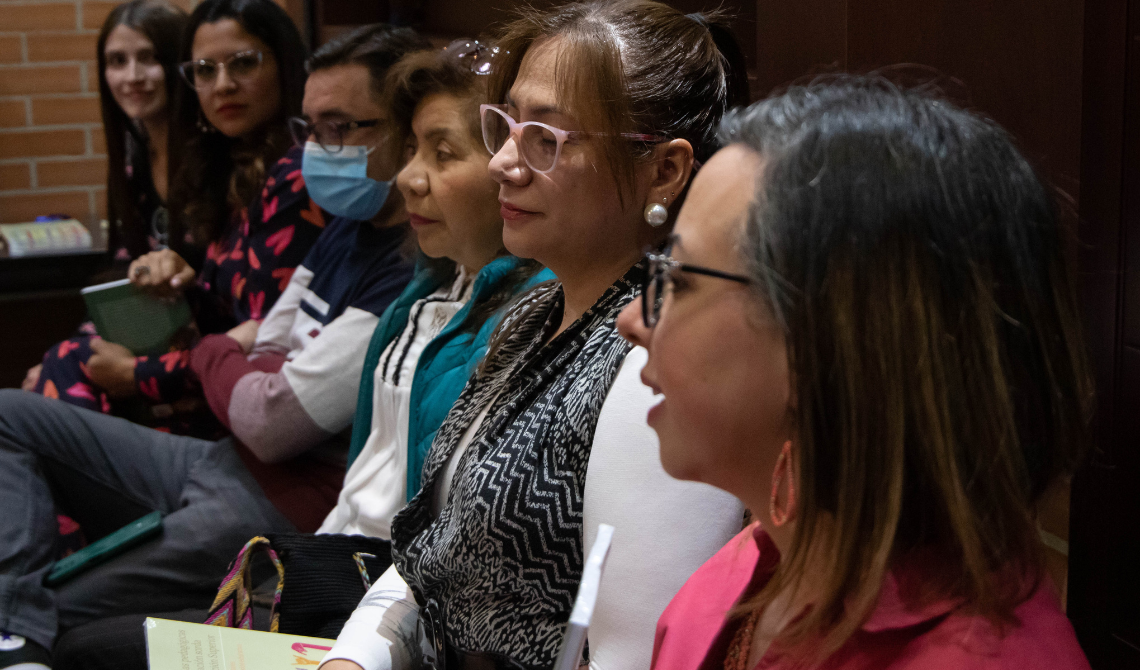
(656, 214)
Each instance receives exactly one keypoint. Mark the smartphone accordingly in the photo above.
(110, 546)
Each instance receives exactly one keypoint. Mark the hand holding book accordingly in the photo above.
(163, 273)
(136, 320)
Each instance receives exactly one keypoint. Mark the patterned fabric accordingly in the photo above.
(504, 558)
(243, 276)
(245, 272)
(248, 269)
(231, 606)
(64, 375)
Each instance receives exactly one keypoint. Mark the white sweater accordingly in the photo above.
(375, 486)
(665, 530)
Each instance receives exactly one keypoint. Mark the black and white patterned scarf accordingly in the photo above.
(504, 557)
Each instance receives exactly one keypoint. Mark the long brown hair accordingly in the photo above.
(916, 262)
(162, 24)
(216, 175)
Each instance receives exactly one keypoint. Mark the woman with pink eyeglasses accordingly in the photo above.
(603, 110)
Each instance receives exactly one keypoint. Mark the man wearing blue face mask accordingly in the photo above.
(286, 387)
(291, 381)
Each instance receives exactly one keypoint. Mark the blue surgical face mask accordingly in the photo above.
(339, 183)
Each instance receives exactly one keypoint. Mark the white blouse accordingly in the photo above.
(665, 530)
(375, 486)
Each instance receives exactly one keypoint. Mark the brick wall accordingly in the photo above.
(52, 157)
(52, 153)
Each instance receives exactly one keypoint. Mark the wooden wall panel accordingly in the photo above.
(1106, 501)
(1104, 580)
(444, 19)
(797, 39)
(1019, 60)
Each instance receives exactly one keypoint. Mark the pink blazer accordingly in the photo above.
(693, 633)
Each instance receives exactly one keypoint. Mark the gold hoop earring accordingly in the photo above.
(783, 467)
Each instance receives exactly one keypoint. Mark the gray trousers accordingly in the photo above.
(105, 472)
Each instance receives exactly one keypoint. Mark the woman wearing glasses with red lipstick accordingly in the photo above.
(603, 110)
(906, 380)
(241, 217)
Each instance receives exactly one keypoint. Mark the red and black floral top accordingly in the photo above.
(246, 271)
(243, 275)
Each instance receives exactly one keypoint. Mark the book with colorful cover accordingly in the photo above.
(46, 237)
(178, 645)
(126, 315)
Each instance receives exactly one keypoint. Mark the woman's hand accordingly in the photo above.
(245, 334)
(340, 664)
(164, 273)
(32, 378)
(112, 366)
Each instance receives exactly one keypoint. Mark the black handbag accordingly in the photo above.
(323, 578)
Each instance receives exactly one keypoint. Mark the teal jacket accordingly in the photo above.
(444, 366)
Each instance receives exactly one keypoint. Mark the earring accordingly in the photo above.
(656, 214)
(203, 125)
(783, 467)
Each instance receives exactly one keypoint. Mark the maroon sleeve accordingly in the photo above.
(270, 362)
(219, 362)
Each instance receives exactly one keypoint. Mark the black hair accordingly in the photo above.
(214, 171)
(917, 265)
(377, 47)
(162, 24)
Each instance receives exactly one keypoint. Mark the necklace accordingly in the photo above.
(741, 646)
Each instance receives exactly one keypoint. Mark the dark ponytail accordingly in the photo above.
(735, 66)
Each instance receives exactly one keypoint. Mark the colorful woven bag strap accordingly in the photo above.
(231, 606)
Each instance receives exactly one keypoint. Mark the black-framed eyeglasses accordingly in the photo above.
(204, 72)
(479, 57)
(328, 134)
(660, 276)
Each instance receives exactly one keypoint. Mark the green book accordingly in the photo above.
(177, 645)
(126, 315)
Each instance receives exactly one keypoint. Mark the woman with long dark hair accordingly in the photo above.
(866, 328)
(239, 210)
(243, 63)
(137, 54)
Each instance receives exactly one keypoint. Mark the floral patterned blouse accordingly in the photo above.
(243, 275)
(246, 271)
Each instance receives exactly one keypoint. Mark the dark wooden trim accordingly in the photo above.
(1103, 497)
